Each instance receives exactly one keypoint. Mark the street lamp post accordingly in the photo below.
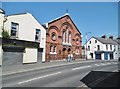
(86, 43)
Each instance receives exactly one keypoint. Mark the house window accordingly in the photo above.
(95, 41)
(90, 42)
(37, 35)
(118, 47)
(14, 29)
(53, 36)
(63, 36)
(69, 38)
(88, 48)
(54, 49)
(50, 49)
(106, 47)
(77, 40)
(98, 47)
(110, 47)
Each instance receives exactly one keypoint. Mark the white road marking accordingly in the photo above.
(115, 71)
(114, 63)
(29, 80)
(82, 67)
(83, 85)
(97, 65)
(102, 64)
(108, 63)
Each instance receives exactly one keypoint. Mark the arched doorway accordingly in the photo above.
(69, 50)
(64, 53)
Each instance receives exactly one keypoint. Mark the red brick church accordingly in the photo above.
(63, 37)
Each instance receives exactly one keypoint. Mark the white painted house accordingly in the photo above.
(1, 26)
(24, 27)
(100, 48)
(117, 49)
(1, 20)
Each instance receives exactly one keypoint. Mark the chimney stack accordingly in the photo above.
(104, 36)
(111, 37)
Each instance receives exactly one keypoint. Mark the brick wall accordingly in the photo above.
(57, 27)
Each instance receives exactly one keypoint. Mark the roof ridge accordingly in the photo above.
(19, 14)
(66, 14)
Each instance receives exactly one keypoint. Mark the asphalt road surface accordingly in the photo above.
(64, 76)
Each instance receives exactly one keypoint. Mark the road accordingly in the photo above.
(64, 76)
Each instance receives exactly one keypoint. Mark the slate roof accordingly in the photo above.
(118, 41)
(2, 11)
(106, 40)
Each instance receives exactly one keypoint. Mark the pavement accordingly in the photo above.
(36, 66)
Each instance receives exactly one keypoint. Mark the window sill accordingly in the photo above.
(53, 53)
(67, 44)
(14, 37)
(77, 53)
(37, 41)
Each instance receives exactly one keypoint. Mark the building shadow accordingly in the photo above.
(102, 79)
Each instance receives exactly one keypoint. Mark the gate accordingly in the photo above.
(12, 56)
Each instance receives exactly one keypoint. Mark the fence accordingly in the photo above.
(60, 57)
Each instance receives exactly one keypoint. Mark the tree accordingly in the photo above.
(5, 34)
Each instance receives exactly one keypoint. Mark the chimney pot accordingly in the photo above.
(104, 36)
(111, 37)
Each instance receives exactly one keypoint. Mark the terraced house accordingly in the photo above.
(62, 37)
(102, 48)
(27, 40)
(1, 26)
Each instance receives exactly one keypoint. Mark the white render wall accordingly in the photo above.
(117, 52)
(30, 55)
(1, 53)
(93, 48)
(1, 26)
(43, 43)
(1, 22)
(27, 29)
(27, 26)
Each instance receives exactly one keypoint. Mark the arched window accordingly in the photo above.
(67, 34)
(69, 38)
(50, 49)
(63, 36)
(53, 35)
(77, 40)
(54, 49)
